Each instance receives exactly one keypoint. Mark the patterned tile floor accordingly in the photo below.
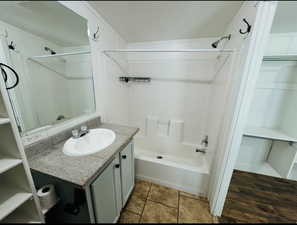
(151, 203)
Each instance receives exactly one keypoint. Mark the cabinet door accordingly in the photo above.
(118, 185)
(127, 170)
(104, 196)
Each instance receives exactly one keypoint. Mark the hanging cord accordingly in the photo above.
(5, 77)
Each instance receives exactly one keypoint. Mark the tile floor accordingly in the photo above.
(151, 203)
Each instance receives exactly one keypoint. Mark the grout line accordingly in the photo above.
(145, 202)
(199, 199)
(132, 212)
(162, 204)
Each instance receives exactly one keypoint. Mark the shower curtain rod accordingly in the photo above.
(170, 50)
(59, 73)
(61, 54)
(106, 53)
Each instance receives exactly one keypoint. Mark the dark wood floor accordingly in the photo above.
(254, 198)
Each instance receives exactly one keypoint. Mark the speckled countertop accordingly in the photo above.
(81, 170)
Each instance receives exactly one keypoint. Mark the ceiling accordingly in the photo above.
(47, 19)
(285, 17)
(138, 21)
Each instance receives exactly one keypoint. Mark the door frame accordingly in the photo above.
(234, 121)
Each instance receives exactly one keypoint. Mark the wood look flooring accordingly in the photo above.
(151, 203)
(254, 198)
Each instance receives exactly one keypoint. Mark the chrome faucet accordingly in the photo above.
(77, 133)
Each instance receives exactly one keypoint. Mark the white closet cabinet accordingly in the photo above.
(112, 188)
(271, 128)
(18, 200)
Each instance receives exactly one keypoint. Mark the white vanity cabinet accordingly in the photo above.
(111, 190)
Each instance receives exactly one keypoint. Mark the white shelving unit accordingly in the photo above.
(11, 198)
(268, 133)
(280, 58)
(24, 214)
(4, 121)
(18, 199)
(8, 163)
(263, 168)
(274, 105)
(293, 174)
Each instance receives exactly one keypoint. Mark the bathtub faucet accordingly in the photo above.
(202, 150)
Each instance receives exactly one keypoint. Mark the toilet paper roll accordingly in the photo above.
(47, 196)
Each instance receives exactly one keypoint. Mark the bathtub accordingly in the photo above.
(187, 172)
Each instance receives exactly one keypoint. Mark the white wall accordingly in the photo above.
(218, 99)
(247, 63)
(178, 94)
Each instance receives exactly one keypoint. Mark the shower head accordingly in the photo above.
(216, 43)
(49, 50)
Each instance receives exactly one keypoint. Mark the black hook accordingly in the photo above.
(11, 46)
(4, 74)
(95, 37)
(249, 27)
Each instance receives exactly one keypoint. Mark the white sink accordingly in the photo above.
(94, 141)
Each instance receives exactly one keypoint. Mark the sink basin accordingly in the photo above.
(94, 141)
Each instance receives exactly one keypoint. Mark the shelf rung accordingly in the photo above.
(12, 202)
(4, 121)
(268, 133)
(8, 163)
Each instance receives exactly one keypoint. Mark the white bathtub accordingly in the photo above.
(186, 172)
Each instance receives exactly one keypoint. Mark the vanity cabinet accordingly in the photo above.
(104, 196)
(112, 188)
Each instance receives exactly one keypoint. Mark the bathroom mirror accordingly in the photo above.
(48, 46)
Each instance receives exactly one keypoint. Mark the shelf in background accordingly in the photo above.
(263, 168)
(280, 58)
(4, 121)
(268, 133)
(293, 175)
(7, 163)
(10, 199)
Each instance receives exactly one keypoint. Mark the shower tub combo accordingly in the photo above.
(167, 161)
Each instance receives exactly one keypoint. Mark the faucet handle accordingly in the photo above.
(84, 128)
(75, 133)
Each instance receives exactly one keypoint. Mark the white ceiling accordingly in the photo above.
(47, 19)
(285, 19)
(138, 21)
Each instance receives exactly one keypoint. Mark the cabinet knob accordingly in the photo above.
(124, 156)
(117, 166)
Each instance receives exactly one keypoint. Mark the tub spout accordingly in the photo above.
(202, 150)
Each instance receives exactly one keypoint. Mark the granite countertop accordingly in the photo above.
(81, 170)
